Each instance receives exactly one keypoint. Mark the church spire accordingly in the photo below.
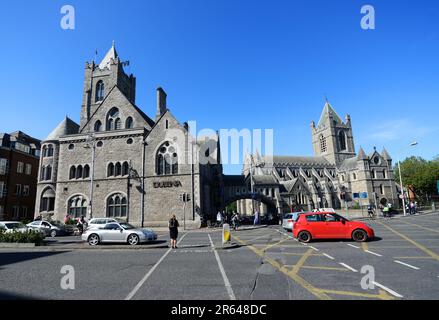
(111, 54)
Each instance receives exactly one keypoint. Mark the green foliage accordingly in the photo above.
(419, 173)
(232, 207)
(31, 236)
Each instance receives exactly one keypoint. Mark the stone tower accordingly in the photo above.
(332, 138)
(100, 79)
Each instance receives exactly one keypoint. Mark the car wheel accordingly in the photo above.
(133, 239)
(53, 233)
(93, 239)
(304, 236)
(359, 235)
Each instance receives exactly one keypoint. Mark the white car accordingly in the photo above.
(99, 223)
(15, 226)
(118, 232)
(289, 219)
(52, 229)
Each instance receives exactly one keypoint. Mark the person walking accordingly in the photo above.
(173, 231)
(219, 219)
(370, 212)
(81, 225)
(235, 221)
(256, 221)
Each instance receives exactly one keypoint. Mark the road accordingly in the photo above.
(264, 264)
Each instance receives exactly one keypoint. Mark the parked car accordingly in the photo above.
(289, 219)
(100, 222)
(52, 229)
(15, 226)
(328, 225)
(118, 232)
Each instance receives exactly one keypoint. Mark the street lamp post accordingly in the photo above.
(91, 144)
(400, 177)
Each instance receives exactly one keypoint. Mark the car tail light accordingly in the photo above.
(290, 220)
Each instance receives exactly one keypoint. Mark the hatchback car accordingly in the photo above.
(289, 219)
(328, 225)
(52, 229)
(118, 233)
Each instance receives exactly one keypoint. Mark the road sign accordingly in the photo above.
(355, 195)
(364, 195)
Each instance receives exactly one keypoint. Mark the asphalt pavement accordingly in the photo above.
(261, 264)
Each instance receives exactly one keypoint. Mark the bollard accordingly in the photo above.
(227, 238)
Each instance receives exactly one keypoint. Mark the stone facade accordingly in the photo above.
(335, 177)
(141, 166)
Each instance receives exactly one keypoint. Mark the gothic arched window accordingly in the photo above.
(323, 147)
(47, 202)
(118, 169)
(50, 150)
(110, 170)
(167, 159)
(117, 206)
(342, 140)
(129, 123)
(79, 172)
(77, 206)
(86, 171)
(125, 169)
(99, 91)
(98, 126)
(72, 174)
(113, 120)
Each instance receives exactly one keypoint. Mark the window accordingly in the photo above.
(130, 141)
(47, 203)
(118, 169)
(373, 174)
(384, 174)
(49, 151)
(381, 189)
(117, 206)
(113, 120)
(2, 189)
(3, 165)
(77, 206)
(100, 91)
(20, 167)
(71, 146)
(17, 189)
(98, 126)
(100, 144)
(167, 160)
(129, 123)
(313, 218)
(72, 174)
(376, 160)
(79, 172)
(15, 211)
(86, 172)
(323, 146)
(110, 170)
(26, 189)
(125, 168)
(44, 151)
(24, 211)
(2, 211)
(28, 169)
(354, 176)
(342, 140)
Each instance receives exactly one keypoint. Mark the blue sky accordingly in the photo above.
(235, 64)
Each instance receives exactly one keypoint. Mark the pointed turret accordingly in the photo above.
(362, 155)
(328, 113)
(66, 127)
(111, 55)
(385, 154)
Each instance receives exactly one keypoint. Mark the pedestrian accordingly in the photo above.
(370, 211)
(412, 207)
(173, 231)
(386, 211)
(256, 220)
(219, 219)
(235, 221)
(81, 224)
(67, 219)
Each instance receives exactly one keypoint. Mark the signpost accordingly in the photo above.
(184, 197)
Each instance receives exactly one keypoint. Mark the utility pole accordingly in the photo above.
(91, 144)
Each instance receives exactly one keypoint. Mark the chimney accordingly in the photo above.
(161, 102)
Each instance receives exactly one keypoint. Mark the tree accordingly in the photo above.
(421, 174)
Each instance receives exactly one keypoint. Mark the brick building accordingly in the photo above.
(19, 158)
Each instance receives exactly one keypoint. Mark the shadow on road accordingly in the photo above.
(16, 257)
(13, 296)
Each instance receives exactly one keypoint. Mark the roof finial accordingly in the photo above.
(114, 43)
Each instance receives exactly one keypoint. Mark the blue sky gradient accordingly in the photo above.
(235, 64)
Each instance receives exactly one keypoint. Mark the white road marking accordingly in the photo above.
(305, 244)
(351, 245)
(348, 267)
(141, 282)
(375, 254)
(394, 293)
(406, 264)
(223, 273)
(315, 249)
(328, 256)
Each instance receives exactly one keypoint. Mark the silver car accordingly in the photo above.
(118, 233)
(100, 223)
(289, 219)
(52, 229)
(15, 226)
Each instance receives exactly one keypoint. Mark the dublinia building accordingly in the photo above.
(118, 162)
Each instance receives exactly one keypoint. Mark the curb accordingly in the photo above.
(13, 245)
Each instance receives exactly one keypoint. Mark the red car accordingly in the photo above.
(328, 225)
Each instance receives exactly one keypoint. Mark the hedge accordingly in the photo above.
(30, 236)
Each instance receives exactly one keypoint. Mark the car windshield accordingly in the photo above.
(127, 226)
(339, 217)
(14, 225)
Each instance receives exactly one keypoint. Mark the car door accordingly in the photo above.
(315, 225)
(45, 227)
(112, 233)
(335, 228)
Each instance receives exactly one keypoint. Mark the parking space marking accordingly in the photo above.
(351, 245)
(394, 293)
(275, 244)
(406, 264)
(420, 246)
(415, 258)
(223, 273)
(149, 273)
(375, 254)
(348, 267)
(383, 295)
(328, 256)
(315, 249)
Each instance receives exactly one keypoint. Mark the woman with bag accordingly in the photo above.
(173, 231)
